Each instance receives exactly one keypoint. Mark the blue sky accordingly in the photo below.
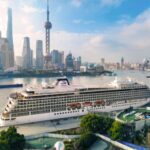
(90, 28)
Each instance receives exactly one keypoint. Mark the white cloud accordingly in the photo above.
(130, 40)
(30, 9)
(79, 21)
(110, 2)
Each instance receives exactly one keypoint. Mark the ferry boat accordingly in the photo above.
(63, 100)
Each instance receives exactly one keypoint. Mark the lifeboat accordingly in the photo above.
(99, 103)
(74, 105)
(5, 115)
(87, 104)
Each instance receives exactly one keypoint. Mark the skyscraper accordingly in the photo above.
(26, 54)
(48, 26)
(122, 62)
(31, 58)
(103, 62)
(10, 38)
(4, 50)
(56, 57)
(69, 62)
(39, 54)
(1, 61)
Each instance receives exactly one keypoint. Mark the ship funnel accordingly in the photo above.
(62, 82)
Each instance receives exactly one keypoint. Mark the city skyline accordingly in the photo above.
(101, 28)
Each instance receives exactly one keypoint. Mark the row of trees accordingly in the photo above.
(93, 123)
(11, 140)
(105, 125)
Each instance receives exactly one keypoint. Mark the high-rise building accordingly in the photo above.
(54, 57)
(103, 62)
(69, 62)
(48, 26)
(62, 57)
(26, 54)
(122, 62)
(1, 61)
(77, 63)
(10, 38)
(57, 59)
(4, 50)
(31, 58)
(39, 54)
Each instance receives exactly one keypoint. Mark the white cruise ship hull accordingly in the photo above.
(73, 113)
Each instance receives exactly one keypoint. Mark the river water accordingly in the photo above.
(138, 76)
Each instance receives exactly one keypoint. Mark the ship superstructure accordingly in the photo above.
(63, 100)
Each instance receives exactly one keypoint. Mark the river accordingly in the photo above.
(139, 76)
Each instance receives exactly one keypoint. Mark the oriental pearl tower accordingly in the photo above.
(48, 26)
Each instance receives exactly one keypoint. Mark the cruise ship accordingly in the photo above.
(64, 100)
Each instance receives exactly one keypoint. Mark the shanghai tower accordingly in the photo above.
(10, 38)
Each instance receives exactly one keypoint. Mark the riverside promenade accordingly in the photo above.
(48, 126)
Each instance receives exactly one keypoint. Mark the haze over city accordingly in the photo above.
(91, 29)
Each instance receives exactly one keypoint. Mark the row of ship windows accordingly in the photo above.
(54, 104)
(28, 113)
(47, 107)
(75, 100)
(61, 113)
(38, 112)
(56, 107)
(124, 105)
(62, 103)
(95, 95)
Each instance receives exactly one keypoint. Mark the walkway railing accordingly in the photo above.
(115, 143)
(60, 136)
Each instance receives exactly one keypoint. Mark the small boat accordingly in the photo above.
(74, 105)
(87, 103)
(99, 102)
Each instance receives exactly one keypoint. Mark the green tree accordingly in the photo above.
(4, 145)
(11, 139)
(139, 138)
(69, 145)
(91, 123)
(107, 124)
(119, 131)
(85, 141)
(95, 123)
